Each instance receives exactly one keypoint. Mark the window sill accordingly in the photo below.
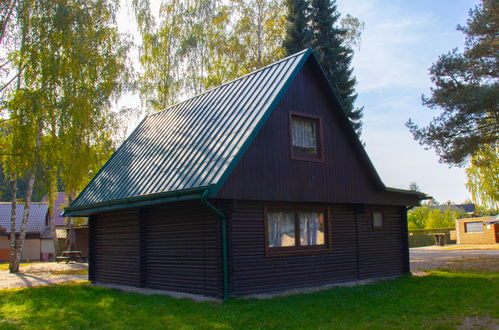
(308, 159)
(286, 252)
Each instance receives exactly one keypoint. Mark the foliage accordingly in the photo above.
(39, 189)
(483, 177)
(69, 94)
(353, 27)
(71, 62)
(406, 302)
(413, 186)
(298, 31)
(197, 45)
(466, 91)
(437, 219)
(426, 217)
(317, 25)
(262, 21)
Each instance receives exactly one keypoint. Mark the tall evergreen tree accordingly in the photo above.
(298, 32)
(316, 25)
(465, 92)
(335, 57)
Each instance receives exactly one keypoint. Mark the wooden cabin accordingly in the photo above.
(258, 185)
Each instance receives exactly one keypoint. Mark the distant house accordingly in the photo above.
(484, 230)
(38, 242)
(258, 185)
(469, 208)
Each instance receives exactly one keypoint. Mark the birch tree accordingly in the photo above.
(77, 64)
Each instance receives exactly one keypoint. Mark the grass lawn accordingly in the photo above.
(441, 300)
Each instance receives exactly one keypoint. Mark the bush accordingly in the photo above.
(425, 217)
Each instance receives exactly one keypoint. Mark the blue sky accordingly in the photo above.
(400, 42)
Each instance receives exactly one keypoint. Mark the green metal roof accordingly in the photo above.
(191, 146)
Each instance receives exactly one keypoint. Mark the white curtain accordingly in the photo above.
(311, 228)
(304, 133)
(281, 229)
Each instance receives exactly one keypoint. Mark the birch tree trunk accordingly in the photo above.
(13, 201)
(14, 266)
(71, 237)
(53, 231)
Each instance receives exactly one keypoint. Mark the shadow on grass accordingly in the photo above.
(441, 300)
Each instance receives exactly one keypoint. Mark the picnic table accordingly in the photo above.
(439, 238)
(68, 256)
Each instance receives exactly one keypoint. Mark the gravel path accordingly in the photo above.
(43, 273)
(433, 258)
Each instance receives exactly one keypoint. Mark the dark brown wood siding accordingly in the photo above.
(171, 247)
(267, 172)
(380, 252)
(114, 253)
(182, 249)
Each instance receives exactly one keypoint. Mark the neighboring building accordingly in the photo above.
(258, 185)
(484, 230)
(469, 208)
(37, 242)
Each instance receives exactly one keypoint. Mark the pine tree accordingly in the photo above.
(335, 57)
(298, 32)
(465, 92)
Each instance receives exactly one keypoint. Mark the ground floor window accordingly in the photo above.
(377, 220)
(290, 230)
(473, 227)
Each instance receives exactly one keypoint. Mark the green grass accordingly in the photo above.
(441, 300)
(5, 266)
(69, 272)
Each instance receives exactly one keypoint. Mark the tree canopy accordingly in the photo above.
(67, 62)
(483, 177)
(466, 92)
(196, 45)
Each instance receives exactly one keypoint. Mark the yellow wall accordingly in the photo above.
(485, 237)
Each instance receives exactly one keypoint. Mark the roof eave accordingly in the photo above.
(418, 194)
(136, 201)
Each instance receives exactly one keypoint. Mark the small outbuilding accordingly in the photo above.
(484, 230)
(258, 185)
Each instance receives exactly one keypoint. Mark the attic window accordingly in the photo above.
(306, 137)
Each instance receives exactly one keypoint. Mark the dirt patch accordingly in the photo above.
(479, 322)
(487, 264)
(43, 273)
(427, 259)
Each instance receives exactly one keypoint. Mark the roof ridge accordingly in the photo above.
(231, 81)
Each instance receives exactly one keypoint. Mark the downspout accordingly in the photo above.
(357, 252)
(224, 242)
